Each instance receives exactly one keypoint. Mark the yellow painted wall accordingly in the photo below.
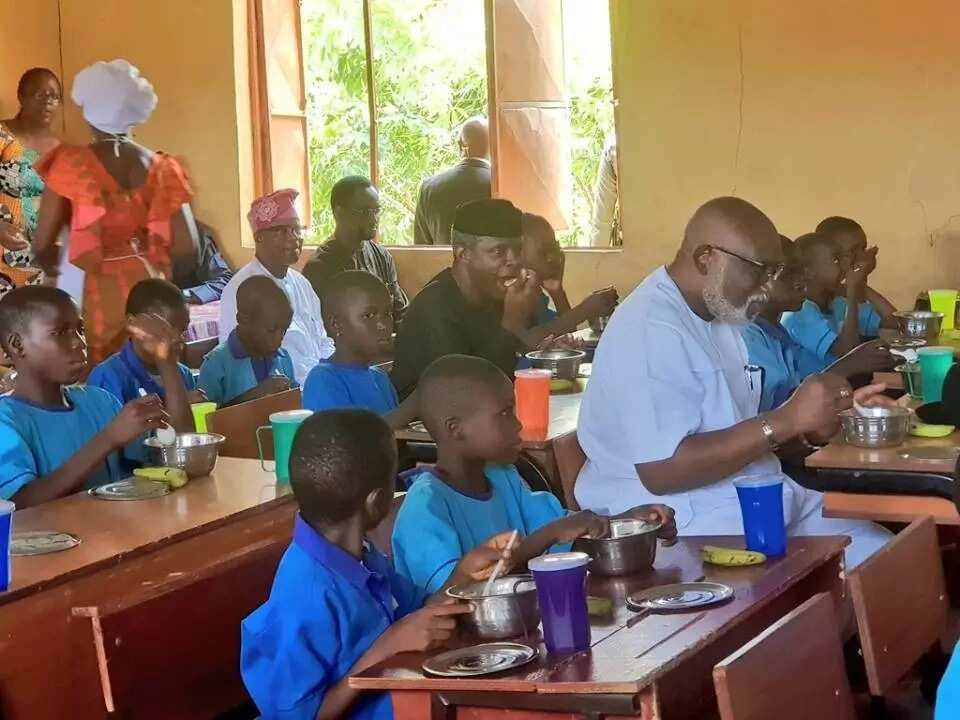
(808, 109)
(31, 38)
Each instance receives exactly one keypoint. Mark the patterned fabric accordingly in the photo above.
(118, 237)
(20, 191)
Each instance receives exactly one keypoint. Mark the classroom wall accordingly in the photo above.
(31, 38)
(806, 109)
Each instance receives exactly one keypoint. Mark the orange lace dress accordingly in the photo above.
(118, 237)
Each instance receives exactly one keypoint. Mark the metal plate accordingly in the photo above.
(682, 596)
(930, 452)
(131, 489)
(41, 542)
(482, 659)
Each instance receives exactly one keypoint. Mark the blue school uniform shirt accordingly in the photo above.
(123, 374)
(332, 385)
(437, 525)
(817, 330)
(783, 361)
(325, 610)
(35, 441)
(228, 371)
(948, 694)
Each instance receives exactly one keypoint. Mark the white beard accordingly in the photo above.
(725, 311)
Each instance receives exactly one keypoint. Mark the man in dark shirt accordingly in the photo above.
(356, 212)
(207, 274)
(480, 306)
(442, 194)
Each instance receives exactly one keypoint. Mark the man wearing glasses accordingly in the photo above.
(670, 413)
(356, 211)
(278, 234)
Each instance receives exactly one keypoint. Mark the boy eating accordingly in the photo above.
(474, 491)
(251, 363)
(149, 362)
(57, 438)
(336, 606)
(358, 314)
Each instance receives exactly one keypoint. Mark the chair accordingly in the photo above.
(195, 351)
(900, 601)
(239, 423)
(382, 535)
(173, 650)
(570, 459)
(793, 670)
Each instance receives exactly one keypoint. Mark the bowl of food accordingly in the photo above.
(629, 548)
(508, 609)
(919, 324)
(194, 453)
(882, 430)
(562, 363)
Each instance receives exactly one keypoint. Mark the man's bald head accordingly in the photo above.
(475, 137)
(733, 224)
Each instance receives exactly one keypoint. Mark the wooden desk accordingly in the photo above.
(658, 666)
(840, 456)
(125, 546)
(889, 508)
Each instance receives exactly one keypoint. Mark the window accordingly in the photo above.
(386, 84)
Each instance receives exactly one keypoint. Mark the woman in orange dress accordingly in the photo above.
(127, 206)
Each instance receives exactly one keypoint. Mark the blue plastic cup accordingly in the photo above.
(6, 531)
(761, 505)
(561, 580)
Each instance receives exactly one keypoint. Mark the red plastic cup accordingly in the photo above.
(532, 392)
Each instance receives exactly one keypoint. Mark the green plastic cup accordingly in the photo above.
(284, 426)
(935, 362)
(200, 412)
(944, 301)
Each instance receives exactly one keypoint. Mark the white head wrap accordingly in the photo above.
(113, 96)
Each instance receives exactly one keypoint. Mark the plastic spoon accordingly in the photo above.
(166, 434)
(498, 568)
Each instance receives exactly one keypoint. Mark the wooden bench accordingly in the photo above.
(239, 423)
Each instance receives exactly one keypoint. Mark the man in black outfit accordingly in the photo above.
(442, 194)
(482, 305)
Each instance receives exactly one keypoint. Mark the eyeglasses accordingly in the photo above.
(47, 98)
(770, 271)
(369, 212)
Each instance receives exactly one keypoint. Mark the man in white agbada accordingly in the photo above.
(670, 413)
(278, 234)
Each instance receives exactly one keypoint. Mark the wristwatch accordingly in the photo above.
(767, 430)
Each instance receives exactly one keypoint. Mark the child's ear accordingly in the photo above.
(13, 345)
(335, 326)
(376, 506)
(453, 427)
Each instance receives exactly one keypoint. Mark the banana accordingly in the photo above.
(730, 557)
(174, 477)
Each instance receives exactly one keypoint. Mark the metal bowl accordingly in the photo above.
(630, 548)
(196, 453)
(887, 430)
(910, 372)
(564, 364)
(919, 324)
(509, 610)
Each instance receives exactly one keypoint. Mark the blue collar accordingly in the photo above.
(237, 349)
(133, 364)
(335, 558)
(262, 367)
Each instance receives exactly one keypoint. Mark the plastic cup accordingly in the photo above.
(935, 362)
(761, 505)
(284, 426)
(532, 392)
(200, 412)
(944, 301)
(6, 530)
(561, 580)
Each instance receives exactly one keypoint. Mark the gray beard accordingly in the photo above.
(725, 311)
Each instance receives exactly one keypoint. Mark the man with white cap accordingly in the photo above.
(278, 234)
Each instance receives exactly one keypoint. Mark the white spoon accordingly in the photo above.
(166, 435)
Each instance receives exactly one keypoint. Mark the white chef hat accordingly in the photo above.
(113, 96)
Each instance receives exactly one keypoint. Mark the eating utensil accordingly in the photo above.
(498, 568)
(510, 609)
(166, 435)
(479, 660)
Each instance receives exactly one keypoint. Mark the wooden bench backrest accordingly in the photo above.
(901, 603)
(791, 671)
(173, 651)
(239, 423)
(196, 350)
(570, 459)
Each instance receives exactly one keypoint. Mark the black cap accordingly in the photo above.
(494, 217)
(947, 411)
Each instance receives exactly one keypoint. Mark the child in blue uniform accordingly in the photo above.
(337, 606)
(358, 314)
(251, 363)
(156, 307)
(57, 438)
(474, 491)
(851, 241)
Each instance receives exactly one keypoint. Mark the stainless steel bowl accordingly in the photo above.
(509, 610)
(564, 364)
(630, 548)
(196, 453)
(887, 430)
(919, 324)
(910, 372)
